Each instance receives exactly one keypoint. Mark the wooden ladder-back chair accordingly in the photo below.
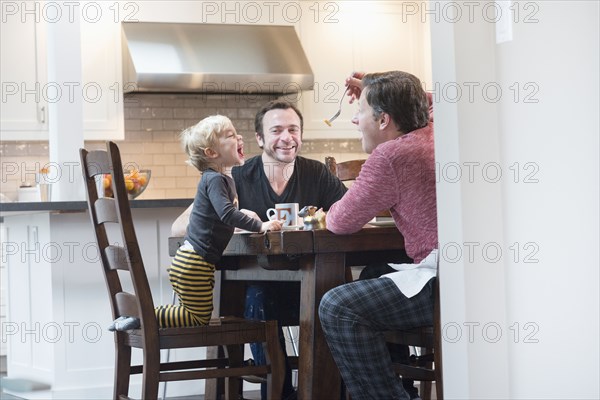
(426, 367)
(231, 333)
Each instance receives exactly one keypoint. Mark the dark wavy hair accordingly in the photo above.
(275, 105)
(400, 95)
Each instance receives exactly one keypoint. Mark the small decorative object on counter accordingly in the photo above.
(28, 193)
(313, 218)
(44, 184)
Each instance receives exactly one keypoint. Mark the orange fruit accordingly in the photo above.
(106, 181)
(129, 185)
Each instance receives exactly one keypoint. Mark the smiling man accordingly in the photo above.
(279, 174)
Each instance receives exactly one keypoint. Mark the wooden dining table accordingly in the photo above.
(318, 260)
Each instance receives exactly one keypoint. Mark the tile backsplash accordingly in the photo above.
(152, 126)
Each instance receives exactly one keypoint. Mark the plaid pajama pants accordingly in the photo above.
(353, 317)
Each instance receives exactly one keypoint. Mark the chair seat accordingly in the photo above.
(418, 337)
(219, 332)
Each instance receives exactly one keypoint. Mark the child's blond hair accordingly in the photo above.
(196, 139)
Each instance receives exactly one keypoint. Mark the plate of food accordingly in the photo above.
(382, 221)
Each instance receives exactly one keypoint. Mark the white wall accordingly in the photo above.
(540, 298)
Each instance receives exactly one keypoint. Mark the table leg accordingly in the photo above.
(318, 376)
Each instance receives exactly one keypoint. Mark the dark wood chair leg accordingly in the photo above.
(274, 356)
(151, 373)
(425, 392)
(122, 370)
(426, 385)
(235, 354)
(439, 382)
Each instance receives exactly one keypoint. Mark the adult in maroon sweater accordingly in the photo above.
(399, 175)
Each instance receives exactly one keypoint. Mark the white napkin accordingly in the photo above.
(411, 278)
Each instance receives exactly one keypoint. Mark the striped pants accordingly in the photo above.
(193, 279)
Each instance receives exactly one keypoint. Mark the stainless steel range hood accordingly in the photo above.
(213, 58)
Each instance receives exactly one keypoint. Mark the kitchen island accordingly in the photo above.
(57, 305)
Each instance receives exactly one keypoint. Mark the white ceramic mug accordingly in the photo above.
(286, 212)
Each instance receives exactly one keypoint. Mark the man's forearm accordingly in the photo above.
(179, 227)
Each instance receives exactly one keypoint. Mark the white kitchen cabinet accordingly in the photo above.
(347, 36)
(24, 109)
(24, 72)
(102, 86)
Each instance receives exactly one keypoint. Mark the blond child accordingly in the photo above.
(213, 147)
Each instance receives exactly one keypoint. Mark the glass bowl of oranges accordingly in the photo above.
(136, 182)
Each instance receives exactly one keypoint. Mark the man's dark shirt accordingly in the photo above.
(310, 184)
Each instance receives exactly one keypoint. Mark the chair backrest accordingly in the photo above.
(124, 257)
(345, 171)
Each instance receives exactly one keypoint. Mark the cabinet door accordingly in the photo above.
(341, 37)
(328, 35)
(102, 78)
(23, 72)
(24, 79)
(391, 40)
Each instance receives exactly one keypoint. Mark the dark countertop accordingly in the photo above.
(71, 206)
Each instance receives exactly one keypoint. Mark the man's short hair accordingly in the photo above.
(400, 95)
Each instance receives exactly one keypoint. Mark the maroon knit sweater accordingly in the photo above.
(400, 176)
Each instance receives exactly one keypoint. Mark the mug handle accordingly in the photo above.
(271, 214)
